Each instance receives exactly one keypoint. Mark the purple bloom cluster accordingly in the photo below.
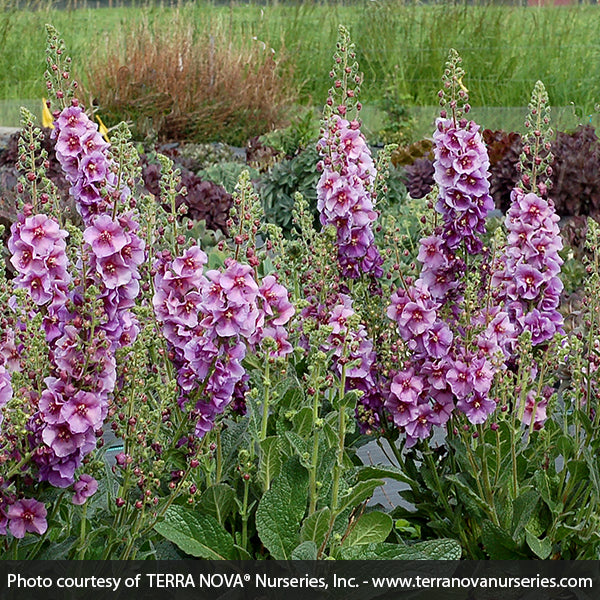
(209, 321)
(5, 390)
(116, 251)
(344, 199)
(81, 151)
(38, 248)
(73, 404)
(351, 348)
(445, 372)
(442, 373)
(528, 272)
(461, 172)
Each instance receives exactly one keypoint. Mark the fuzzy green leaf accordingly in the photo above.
(299, 445)
(357, 494)
(523, 507)
(218, 501)
(303, 422)
(370, 528)
(442, 549)
(305, 551)
(498, 543)
(379, 472)
(196, 534)
(281, 510)
(270, 461)
(541, 548)
(316, 526)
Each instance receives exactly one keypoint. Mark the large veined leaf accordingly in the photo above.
(378, 472)
(442, 549)
(196, 534)
(218, 501)
(369, 528)
(360, 492)
(281, 510)
(541, 548)
(305, 551)
(316, 526)
(269, 464)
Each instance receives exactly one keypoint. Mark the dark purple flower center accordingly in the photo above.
(106, 237)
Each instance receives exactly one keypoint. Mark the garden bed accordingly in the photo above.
(208, 372)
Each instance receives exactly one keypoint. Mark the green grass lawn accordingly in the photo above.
(401, 48)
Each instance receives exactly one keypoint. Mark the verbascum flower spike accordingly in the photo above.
(528, 272)
(451, 366)
(345, 189)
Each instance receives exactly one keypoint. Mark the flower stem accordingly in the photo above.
(245, 515)
(267, 391)
(219, 459)
(337, 471)
(81, 549)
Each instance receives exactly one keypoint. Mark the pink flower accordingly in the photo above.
(460, 379)
(416, 318)
(5, 390)
(94, 167)
(238, 284)
(105, 236)
(41, 233)
(477, 408)
(82, 412)
(84, 487)
(27, 515)
(276, 301)
(62, 440)
(420, 427)
(406, 386)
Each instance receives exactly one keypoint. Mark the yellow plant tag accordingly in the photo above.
(47, 119)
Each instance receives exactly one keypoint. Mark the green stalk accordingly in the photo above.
(450, 512)
(337, 471)
(489, 494)
(312, 474)
(245, 515)
(219, 458)
(81, 549)
(267, 391)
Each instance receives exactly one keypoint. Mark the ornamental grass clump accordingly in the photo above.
(190, 81)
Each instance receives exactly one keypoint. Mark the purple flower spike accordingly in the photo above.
(528, 272)
(344, 199)
(5, 390)
(209, 321)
